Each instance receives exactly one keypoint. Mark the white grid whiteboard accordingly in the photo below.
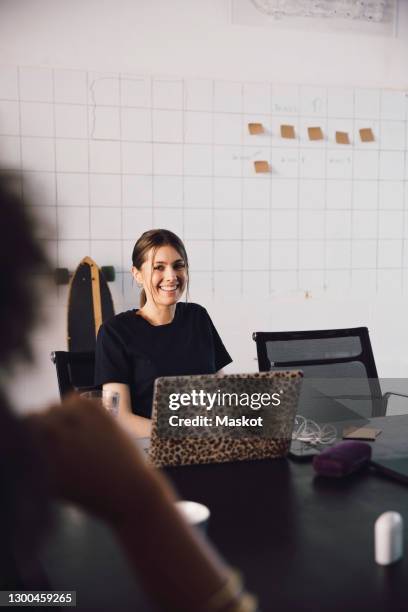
(111, 155)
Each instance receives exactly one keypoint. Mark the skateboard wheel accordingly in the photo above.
(109, 273)
(61, 276)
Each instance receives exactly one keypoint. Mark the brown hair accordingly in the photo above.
(154, 239)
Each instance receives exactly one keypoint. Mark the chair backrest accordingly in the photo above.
(75, 371)
(333, 354)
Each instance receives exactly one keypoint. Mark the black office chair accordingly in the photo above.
(75, 371)
(328, 357)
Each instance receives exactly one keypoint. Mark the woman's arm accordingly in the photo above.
(136, 426)
(180, 570)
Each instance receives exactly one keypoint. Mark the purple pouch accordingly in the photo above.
(342, 459)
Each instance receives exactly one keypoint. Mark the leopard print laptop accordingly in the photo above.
(215, 419)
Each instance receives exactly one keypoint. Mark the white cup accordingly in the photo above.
(108, 399)
(195, 514)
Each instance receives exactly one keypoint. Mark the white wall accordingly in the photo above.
(191, 38)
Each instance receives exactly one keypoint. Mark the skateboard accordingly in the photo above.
(89, 303)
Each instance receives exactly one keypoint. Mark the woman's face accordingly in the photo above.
(163, 276)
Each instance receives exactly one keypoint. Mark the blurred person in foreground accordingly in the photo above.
(42, 457)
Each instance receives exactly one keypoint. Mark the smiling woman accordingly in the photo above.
(160, 266)
(164, 337)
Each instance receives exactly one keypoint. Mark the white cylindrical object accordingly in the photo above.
(388, 533)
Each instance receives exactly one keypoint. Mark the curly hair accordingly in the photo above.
(22, 261)
(24, 510)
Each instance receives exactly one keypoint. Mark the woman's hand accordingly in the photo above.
(137, 426)
(92, 461)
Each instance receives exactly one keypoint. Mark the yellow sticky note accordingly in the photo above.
(366, 135)
(315, 133)
(255, 128)
(261, 166)
(342, 138)
(287, 131)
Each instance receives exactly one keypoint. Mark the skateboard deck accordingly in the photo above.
(89, 305)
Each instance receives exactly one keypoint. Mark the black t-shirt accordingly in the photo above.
(132, 351)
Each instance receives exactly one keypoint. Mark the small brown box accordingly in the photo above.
(287, 131)
(315, 133)
(256, 128)
(261, 166)
(361, 433)
(342, 138)
(366, 135)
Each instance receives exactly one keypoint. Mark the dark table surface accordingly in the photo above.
(304, 542)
